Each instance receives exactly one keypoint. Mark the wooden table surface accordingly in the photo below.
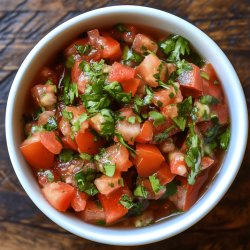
(22, 24)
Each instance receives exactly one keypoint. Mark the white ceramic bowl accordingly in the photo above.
(54, 42)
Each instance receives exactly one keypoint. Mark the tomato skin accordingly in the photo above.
(206, 162)
(131, 85)
(149, 67)
(86, 142)
(164, 174)
(93, 213)
(69, 143)
(49, 141)
(187, 194)
(148, 159)
(79, 201)
(120, 72)
(113, 209)
(146, 133)
(191, 82)
(38, 156)
(59, 195)
(143, 43)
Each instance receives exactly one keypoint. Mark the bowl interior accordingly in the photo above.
(55, 41)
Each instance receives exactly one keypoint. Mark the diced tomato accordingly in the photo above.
(79, 201)
(44, 117)
(44, 95)
(87, 143)
(111, 204)
(130, 85)
(164, 97)
(149, 67)
(93, 212)
(49, 141)
(170, 111)
(59, 195)
(146, 133)
(117, 154)
(164, 174)
(143, 43)
(44, 176)
(127, 35)
(69, 143)
(96, 122)
(71, 49)
(187, 194)
(177, 163)
(107, 185)
(129, 131)
(191, 82)
(206, 162)
(120, 72)
(79, 77)
(36, 154)
(221, 110)
(148, 159)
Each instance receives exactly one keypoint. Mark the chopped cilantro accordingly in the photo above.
(183, 66)
(122, 141)
(225, 138)
(155, 183)
(67, 115)
(216, 82)
(109, 169)
(36, 129)
(70, 91)
(108, 126)
(175, 47)
(204, 75)
(128, 56)
(100, 223)
(121, 27)
(208, 100)
(83, 49)
(132, 119)
(66, 155)
(171, 189)
(70, 62)
(126, 201)
(164, 135)
(49, 175)
(193, 155)
(158, 118)
(171, 95)
(51, 124)
(140, 192)
(86, 157)
(77, 124)
(37, 113)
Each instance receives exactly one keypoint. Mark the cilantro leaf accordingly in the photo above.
(86, 157)
(224, 138)
(140, 192)
(122, 141)
(158, 118)
(69, 62)
(193, 155)
(155, 183)
(183, 66)
(66, 155)
(129, 56)
(208, 100)
(77, 124)
(164, 135)
(51, 124)
(121, 28)
(67, 115)
(109, 169)
(83, 49)
(108, 125)
(70, 91)
(175, 47)
(204, 75)
(126, 201)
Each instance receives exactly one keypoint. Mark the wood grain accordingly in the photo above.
(22, 24)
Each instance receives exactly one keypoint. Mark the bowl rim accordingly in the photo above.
(155, 232)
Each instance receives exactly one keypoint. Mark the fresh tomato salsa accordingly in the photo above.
(126, 126)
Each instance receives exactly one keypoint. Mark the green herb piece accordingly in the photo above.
(70, 91)
(51, 124)
(122, 141)
(193, 155)
(109, 169)
(204, 75)
(197, 59)
(140, 192)
(66, 155)
(67, 115)
(158, 118)
(183, 66)
(164, 135)
(86, 157)
(36, 129)
(77, 124)
(132, 119)
(84, 182)
(128, 56)
(171, 188)
(175, 47)
(224, 138)
(38, 113)
(208, 100)
(115, 90)
(83, 49)
(108, 126)
(70, 62)
(216, 82)
(184, 110)
(126, 201)
(171, 95)
(121, 28)
(49, 175)
(155, 183)
(100, 223)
